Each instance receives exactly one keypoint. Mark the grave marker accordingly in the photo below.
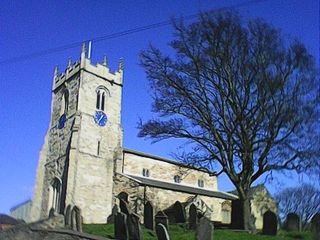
(204, 229)
(162, 218)
(120, 226)
(293, 222)
(179, 212)
(315, 226)
(270, 223)
(162, 233)
(148, 216)
(193, 218)
(134, 228)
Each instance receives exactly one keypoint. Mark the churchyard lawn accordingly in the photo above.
(179, 232)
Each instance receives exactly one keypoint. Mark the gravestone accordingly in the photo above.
(204, 229)
(270, 223)
(67, 216)
(162, 218)
(124, 207)
(162, 233)
(292, 222)
(121, 227)
(51, 213)
(315, 226)
(134, 228)
(76, 223)
(148, 216)
(179, 212)
(237, 214)
(193, 218)
(113, 214)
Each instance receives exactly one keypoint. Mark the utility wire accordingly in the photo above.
(117, 34)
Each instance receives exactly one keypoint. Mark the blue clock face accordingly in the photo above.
(100, 118)
(62, 121)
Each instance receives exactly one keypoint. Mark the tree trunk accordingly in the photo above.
(248, 220)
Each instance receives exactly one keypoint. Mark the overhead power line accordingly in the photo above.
(116, 35)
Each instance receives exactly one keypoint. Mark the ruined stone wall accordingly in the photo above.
(260, 203)
(164, 171)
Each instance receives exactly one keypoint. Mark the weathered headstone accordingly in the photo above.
(270, 223)
(193, 218)
(67, 216)
(124, 207)
(51, 213)
(113, 214)
(76, 223)
(292, 222)
(162, 233)
(134, 228)
(121, 227)
(180, 215)
(237, 214)
(162, 218)
(204, 229)
(148, 216)
(315, 226)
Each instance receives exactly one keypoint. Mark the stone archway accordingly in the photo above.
(124, 196)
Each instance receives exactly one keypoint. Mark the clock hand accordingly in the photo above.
(100, 118)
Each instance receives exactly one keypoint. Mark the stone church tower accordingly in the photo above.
(83, 143)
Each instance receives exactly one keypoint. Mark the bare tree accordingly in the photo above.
(303, 200)
(245, 100)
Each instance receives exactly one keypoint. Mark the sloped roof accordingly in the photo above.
(19, 205)
(5, 219)
(180, 188)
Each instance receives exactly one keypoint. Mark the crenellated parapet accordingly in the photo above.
(60, 78)
(100, 70)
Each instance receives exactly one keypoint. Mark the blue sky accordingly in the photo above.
(30, 26)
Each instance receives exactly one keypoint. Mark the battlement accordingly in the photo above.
(101, 70)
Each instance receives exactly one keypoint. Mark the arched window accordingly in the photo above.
(200, 183)
(177, 179)
(124, 196)
(55, 195)
(64, 102)
(101, 98)
(145, 172)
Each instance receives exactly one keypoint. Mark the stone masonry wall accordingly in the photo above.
(164, 171)
(90, 181)
(59, 139)
(160, 198)
(71, 153)
(260, 203)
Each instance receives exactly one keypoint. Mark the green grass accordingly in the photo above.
(179, 232)
(104, 230)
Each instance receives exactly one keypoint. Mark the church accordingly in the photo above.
(83, 161)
